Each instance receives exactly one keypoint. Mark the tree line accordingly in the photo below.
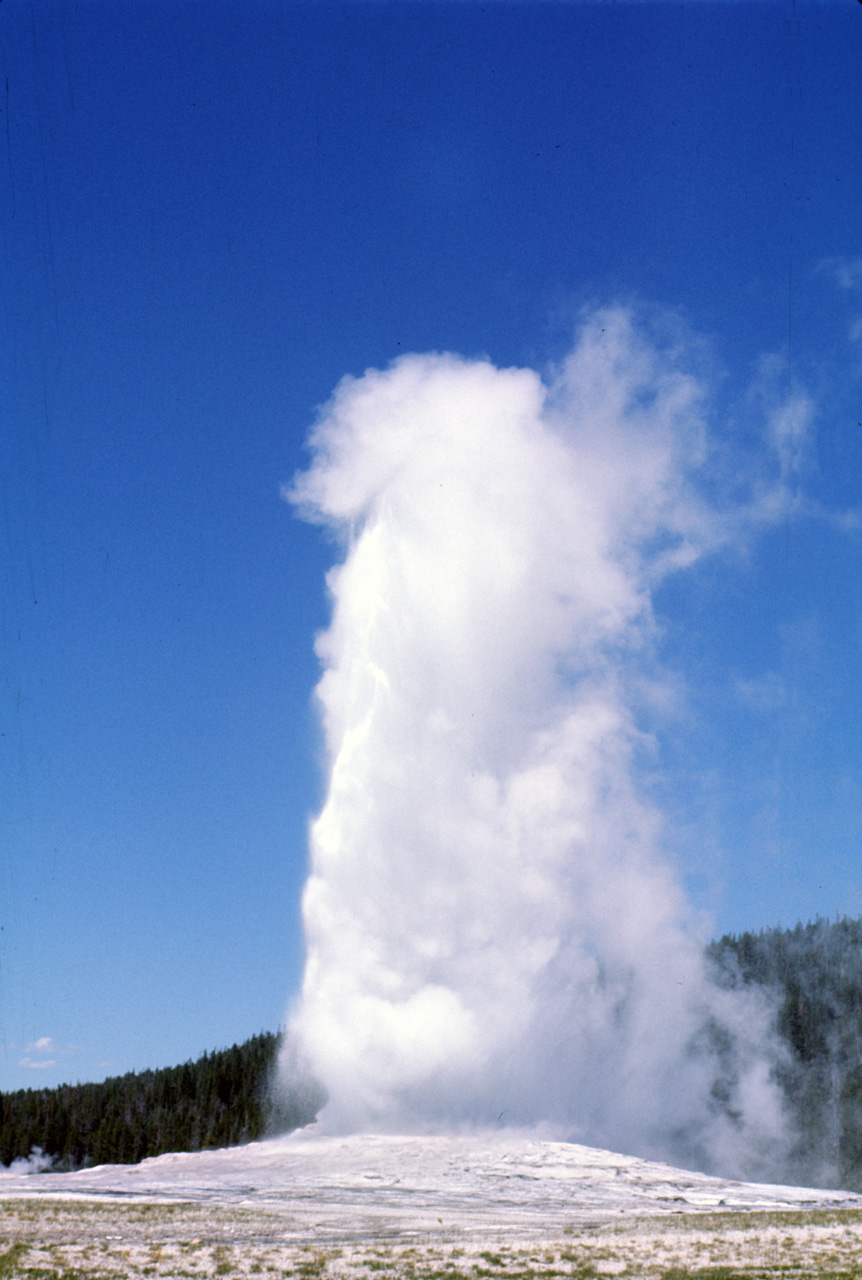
(222, 1099)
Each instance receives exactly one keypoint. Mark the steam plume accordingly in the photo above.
(492, 927)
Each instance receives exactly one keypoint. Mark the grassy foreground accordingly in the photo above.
(42, 1239)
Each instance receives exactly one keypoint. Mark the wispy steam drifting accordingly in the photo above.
(493, 930)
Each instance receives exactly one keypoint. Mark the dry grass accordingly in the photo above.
(43, 1239)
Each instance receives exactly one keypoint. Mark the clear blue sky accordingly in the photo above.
(210, 213)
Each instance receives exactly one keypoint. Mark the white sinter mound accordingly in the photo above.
(475, 1182)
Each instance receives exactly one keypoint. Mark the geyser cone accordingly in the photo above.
(492, 929)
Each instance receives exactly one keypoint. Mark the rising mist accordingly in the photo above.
(495, 931)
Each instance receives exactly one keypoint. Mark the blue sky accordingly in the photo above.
(212, 212)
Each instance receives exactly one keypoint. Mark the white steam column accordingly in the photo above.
(493, 931)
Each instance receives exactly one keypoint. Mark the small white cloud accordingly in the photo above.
(766, 694)
(846, 272)
(848, 521)
(45, 1044)
(44, 1052)
(790, 427)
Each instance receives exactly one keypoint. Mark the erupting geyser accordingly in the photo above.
(493, 932)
